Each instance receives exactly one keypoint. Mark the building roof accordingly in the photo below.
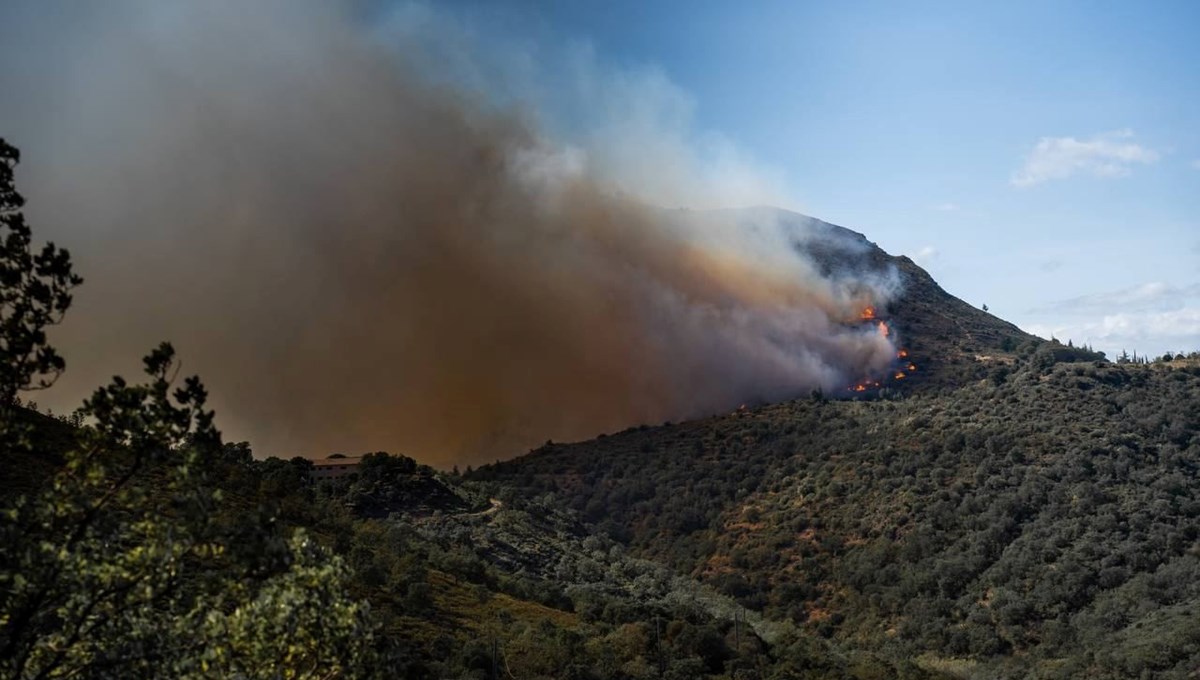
(334, 462)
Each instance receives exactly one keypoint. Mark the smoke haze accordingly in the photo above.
(363, 242)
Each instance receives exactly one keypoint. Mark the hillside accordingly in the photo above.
(1043, 520)
(466, 580)
(1013, 508)
(556, 599)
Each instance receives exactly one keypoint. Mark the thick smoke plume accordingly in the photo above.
(358, 253)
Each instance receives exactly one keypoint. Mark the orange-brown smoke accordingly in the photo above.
(355, 256)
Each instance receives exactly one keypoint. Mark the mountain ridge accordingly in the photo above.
(949, 341)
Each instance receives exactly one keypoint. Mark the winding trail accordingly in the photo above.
(496, 505)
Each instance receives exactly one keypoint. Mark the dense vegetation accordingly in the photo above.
(1044, 519)
(556, 600)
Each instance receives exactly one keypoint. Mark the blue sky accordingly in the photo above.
(1040, 157)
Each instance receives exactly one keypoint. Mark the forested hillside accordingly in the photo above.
(439, 579)
(519, 582)
(1044, 519)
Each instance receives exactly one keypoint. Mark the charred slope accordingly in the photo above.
(950, 341)
(1045, 520)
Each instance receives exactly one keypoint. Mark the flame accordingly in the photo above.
(900, 372)
(868, 314)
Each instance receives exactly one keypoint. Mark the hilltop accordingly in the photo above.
(949, 341)
(946, 342)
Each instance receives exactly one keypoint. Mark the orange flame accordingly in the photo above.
(912, 367)
(901, 354)
(899, 375)
(883, 329)
(868, 313)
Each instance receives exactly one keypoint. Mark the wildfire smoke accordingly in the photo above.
(358, 255)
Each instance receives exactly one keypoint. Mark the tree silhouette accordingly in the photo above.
(126, 562)
(35, 291)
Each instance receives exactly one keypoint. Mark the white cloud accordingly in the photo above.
(1152, 295)
(1151, 333)
(1151, 318)
(925, 255)
(1109, 154)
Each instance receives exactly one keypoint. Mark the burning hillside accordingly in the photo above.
(898, 370)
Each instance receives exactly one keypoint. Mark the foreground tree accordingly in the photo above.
(124, 563)
(35, 291)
